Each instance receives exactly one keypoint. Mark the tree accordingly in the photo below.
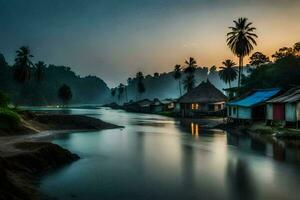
(228, 73)
(297, 48)
(258, 59)
(177, 76)
(189, 82)
(39, 71)
(65, 94)
(140, 84)
(191, 66)
(22, 66)
(121, 90)
(213, 69)
(282, 74)
(240, 40)
(156, 75)
(113, 93)
(283, 52)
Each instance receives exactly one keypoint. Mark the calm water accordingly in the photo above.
(156, 157)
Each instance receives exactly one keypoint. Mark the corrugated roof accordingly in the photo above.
(256, 97)
(205, 92)
(290, 96)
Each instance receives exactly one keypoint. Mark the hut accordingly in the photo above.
(252, 106)
(204, 99)
(156, 106)
(171, 105)
(285, 108)
(143, 106)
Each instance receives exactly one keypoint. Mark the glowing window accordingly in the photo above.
(195, 106)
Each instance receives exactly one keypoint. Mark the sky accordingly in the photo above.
(113, 39)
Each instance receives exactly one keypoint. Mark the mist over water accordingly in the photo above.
(156, 157)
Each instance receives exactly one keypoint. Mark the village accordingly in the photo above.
(271, 108)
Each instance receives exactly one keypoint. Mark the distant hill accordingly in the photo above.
(86, 90)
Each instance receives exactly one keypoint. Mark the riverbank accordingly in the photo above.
(278, 132)
(23, 157)
(272, 134)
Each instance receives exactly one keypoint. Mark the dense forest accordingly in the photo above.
(283, 73)
(43, 91)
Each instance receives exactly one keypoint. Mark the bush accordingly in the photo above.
(9, 119)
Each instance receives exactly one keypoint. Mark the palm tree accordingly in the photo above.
(228, 73)
(189, 82)
(22, 65)
(177, 76)
(240, 40)
(39, 71)
(191, 66)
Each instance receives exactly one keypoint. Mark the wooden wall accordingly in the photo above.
(290, 112)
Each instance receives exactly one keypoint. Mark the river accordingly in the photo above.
(156, 157)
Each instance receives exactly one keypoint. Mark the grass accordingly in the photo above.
(277, 129)
(9, 119)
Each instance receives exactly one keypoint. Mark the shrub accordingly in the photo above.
(9, 119)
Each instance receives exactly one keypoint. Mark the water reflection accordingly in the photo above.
(269, 147)
(156, 157)
(195, 129)
(239, 180)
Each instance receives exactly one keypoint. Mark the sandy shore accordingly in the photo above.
(23, 155)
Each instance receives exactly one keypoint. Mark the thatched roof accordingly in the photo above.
(292, 95)
(205, 92)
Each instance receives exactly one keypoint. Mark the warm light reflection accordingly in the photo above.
(195, 129)
(192, 128)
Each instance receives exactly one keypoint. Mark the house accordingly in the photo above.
(202, 100)
(139, 106)
(252, 106)
(285, 108)
(171, 105)
(156, 106)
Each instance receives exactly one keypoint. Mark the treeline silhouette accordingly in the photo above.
(42, 89)
(284, 73)
(164, 85)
